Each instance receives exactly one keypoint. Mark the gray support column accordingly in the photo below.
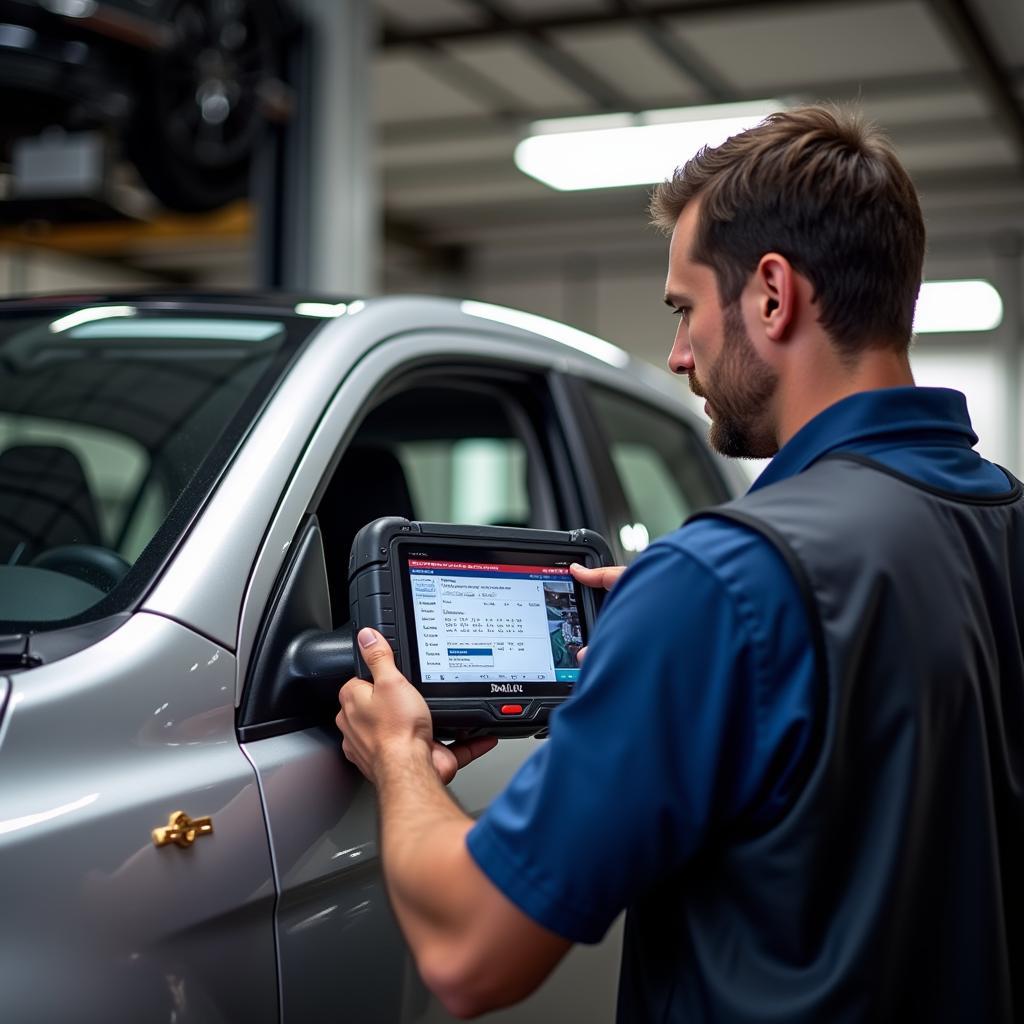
(1010, 282)
(344, 223)
(319, 218)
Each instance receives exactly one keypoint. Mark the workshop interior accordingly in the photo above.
(318, 315)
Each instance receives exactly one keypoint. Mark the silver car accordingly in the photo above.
(181, 839)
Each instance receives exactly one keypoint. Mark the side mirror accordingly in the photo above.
(301, 683)
(318, 662)
(300, 662)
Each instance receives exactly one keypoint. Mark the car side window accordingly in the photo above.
(479, 480)
(661, 466)
(468, 453)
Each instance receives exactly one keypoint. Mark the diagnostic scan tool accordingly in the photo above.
(485, 621)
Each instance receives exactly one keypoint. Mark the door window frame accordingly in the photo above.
(553, 479)
(597, 445)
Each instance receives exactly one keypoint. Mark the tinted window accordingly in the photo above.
(469, 480)
(663, 470)
(108, 416)
(436, 454)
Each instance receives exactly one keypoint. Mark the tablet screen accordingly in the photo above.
(495, 621)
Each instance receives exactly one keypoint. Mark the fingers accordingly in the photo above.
(580, 655)
(447, 760)
(350, 690)
(602, 576)
(444, 762)
(470, 750)
(347, 696)
(377, 654)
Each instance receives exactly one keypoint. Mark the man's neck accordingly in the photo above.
(813, 387)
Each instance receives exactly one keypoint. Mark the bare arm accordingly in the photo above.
(474, 948)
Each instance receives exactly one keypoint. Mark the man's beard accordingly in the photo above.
(739, 387)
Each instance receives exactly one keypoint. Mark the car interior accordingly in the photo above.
(105, 426)
(462, 453)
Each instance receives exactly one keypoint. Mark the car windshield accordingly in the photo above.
(115, 422)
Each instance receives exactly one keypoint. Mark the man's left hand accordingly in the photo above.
(389, 717)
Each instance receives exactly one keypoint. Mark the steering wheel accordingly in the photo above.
(100, 567)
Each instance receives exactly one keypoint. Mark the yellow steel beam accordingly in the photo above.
(112, 238)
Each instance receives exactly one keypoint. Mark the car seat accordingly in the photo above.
(368, 483)
(45, 502)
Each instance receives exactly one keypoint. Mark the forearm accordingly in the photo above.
(454, 919)
(422, 846)
(456, 922)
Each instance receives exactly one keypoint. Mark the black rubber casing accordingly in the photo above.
(376, 598)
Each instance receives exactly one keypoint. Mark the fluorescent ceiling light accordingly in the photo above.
(609, 150)
(182, 329)
(947, 307)
(84, 316)
(579, 340)
(634, 536)
(321, 309)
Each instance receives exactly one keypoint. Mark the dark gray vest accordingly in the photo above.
(893, 888)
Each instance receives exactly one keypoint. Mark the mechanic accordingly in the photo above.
(795, 752)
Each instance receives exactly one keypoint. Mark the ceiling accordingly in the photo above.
(456, 82)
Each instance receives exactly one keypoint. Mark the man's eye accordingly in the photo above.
(683, 312)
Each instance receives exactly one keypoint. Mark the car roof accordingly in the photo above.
(282, 303)
(582, 350)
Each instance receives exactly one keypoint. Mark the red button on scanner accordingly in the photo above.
(511, 709)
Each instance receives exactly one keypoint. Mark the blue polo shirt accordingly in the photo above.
(697, 699)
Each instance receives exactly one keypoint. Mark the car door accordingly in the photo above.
(451, 429)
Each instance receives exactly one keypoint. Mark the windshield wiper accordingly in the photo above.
(14, 652)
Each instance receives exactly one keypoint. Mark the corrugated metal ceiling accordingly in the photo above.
(457, 81)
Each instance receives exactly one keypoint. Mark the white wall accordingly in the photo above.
(27, 271)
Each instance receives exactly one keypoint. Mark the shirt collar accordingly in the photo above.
(867, 418)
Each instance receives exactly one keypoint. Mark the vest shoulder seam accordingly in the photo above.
(817, 631)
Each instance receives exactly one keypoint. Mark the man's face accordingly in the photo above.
(713, 348)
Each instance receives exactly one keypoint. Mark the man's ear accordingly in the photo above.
(776, 293)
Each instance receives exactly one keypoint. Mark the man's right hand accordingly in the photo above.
(605, 576)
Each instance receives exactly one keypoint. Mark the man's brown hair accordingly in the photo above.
(826, 190)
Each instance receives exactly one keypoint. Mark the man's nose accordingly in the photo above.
(680, 359)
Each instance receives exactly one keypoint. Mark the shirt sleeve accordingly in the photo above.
(668, 736)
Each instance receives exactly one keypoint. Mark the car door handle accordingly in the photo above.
(182, 830)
